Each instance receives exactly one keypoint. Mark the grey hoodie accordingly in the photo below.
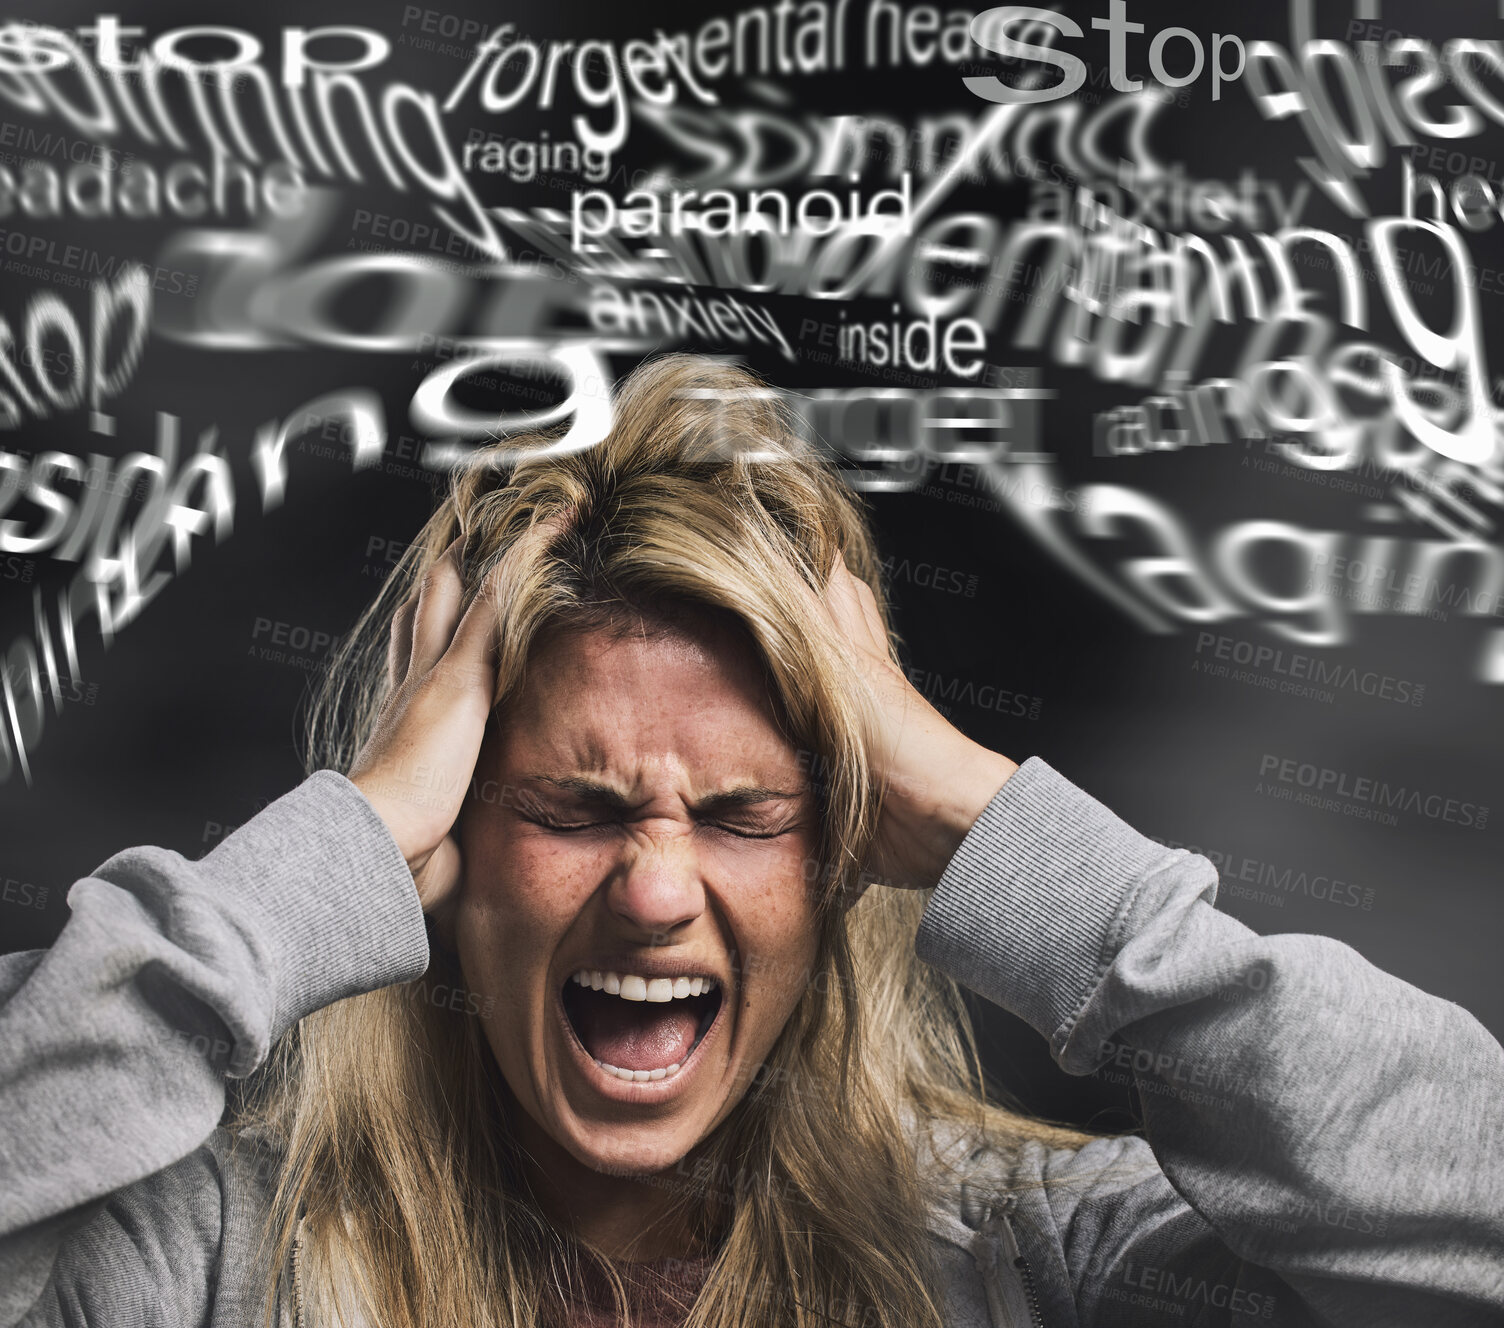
(1323, 1142)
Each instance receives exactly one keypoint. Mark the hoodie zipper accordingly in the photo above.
(297, 1288)
(1027, 1274)
(1015, 1256)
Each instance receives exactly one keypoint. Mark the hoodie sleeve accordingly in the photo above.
(169, 978)
(1327, 1141)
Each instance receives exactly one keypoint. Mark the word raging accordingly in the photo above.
(720, 212)
(522, 159)
(1163, 577)
(989, 30)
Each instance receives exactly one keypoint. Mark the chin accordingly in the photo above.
(634, 1150)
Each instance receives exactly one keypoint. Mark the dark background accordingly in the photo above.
(189, 734)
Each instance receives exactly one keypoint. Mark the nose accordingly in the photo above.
(657, 888)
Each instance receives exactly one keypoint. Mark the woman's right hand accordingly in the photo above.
(936, 780)
(416, 766)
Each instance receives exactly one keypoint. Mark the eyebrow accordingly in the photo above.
(605, 795)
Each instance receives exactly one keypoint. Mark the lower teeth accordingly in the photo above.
(640, 1076)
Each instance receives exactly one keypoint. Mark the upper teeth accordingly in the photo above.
(630, 987)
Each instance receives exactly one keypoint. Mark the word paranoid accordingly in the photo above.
(721, 213)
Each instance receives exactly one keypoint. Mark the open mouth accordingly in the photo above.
(640, 1029)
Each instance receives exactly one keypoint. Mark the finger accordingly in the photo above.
(438, 610)
(472, 649)
(854, 614)
(471, 657)
(439, 880)
(400, 643)
(871, 615)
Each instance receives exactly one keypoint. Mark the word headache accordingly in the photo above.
(91, 190)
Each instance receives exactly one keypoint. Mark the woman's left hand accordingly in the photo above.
(937, 780)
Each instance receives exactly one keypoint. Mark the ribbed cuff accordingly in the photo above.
(341, 914)
(1031, 910)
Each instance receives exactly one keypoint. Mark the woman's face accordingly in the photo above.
(641, 824)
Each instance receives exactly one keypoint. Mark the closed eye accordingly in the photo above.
(575, 827)
(749, 834)
(565, 828)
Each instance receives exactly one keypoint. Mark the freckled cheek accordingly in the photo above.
(775, 923)
(520, 899)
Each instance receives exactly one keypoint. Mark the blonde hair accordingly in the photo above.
(400, 1169)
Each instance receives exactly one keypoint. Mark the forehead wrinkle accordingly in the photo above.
(724, 799)
(633, 756)
(671, 714)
